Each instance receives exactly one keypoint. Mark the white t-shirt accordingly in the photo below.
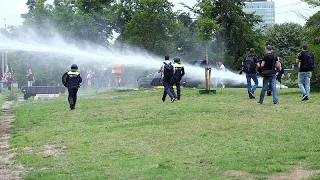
(222, 68)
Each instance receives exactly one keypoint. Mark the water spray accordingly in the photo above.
(96, 54)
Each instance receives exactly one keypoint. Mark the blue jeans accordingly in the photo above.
(254, 77)
(272, 81)
(168, 89)
(304, 79)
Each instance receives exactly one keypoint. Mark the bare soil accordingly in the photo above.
(298, 174)
(9, 170)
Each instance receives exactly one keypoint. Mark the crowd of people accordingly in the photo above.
(6, 81)
(101, 77)
(270, 67)
(172, 72)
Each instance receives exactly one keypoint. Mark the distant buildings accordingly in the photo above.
(263, 8)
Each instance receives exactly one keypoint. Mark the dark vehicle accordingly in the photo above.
(154, 79)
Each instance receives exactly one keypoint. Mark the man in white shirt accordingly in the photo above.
(222, 68)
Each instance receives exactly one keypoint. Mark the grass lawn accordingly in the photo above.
(133, 135)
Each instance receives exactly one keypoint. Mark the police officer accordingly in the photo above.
(178, 74)
(73, 81)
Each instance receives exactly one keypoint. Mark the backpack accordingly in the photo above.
(249, 65)
(308, 60)
(168, 70)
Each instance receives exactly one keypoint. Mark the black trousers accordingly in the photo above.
(168, 89)
(72, 97)
(177, 83)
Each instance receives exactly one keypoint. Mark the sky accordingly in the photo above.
(286, 10)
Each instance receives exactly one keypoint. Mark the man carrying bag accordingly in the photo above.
(268, 64)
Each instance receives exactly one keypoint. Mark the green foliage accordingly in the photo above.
(312, 2)
(47, 70)
(151, 26)
(236, 29)
(311, 36)
(286, 40)
(12, 96)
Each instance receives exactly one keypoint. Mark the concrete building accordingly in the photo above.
(263, 8)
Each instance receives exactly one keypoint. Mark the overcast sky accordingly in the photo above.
(286, 10)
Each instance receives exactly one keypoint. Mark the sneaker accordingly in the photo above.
(259, 103)
(252, 96)
(305, 97)
(163, 100)
(172, 100)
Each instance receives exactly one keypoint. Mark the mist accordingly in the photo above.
(88, 53)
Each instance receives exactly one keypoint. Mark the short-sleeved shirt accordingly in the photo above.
(270, 62)
(221, 68)
(301, 58)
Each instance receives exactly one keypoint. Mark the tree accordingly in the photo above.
(206, 26)
(312, 2)
(237, 33)
(286, 40)
(311, 36)
(151, 26)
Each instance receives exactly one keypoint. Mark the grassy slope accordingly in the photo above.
(133, 135)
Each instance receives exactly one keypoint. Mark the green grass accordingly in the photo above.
(133, 135)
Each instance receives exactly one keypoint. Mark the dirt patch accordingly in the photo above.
(53, 150)
(240, 174)
(297, 174)
(8, 168)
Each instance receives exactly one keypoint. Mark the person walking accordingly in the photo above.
(178, 74)
(167, 72)
(306, 60)
(269, 62)
(250, 64)
(73, 82)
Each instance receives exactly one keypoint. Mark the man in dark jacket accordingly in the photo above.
(167, 73)
(250, 64)
(306, 60)
(73, 81)
(178, 74)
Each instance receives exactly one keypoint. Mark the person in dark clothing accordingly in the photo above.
(250, 64)
(269, 62)
(167, 72)
(30, 77)
(306, 60)
(178, 74)
(73, 82)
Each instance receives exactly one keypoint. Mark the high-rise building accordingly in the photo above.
(263, 8)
